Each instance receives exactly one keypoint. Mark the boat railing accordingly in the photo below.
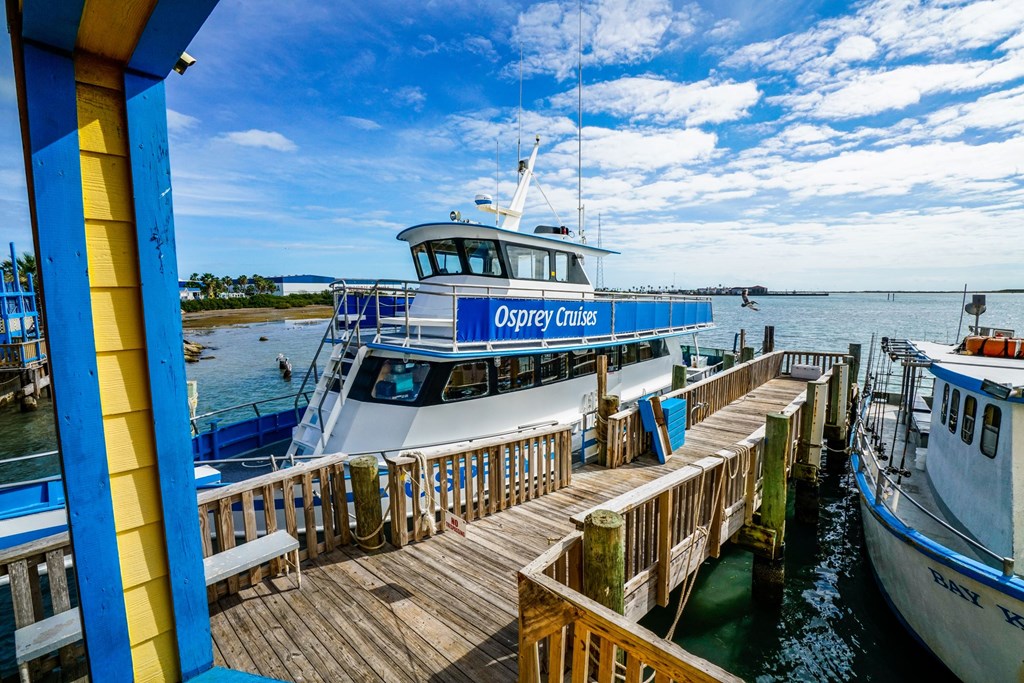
(251, 405)
(452, 317)
(885, 485)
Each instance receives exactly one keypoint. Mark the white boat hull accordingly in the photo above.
(968, 615)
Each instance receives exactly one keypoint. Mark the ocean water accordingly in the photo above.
(832, 625)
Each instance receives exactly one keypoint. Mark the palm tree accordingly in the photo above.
(210, 283)
(26, 267)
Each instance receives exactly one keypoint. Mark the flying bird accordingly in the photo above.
(747, 303)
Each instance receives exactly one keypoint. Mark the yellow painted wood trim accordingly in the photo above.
(112, 28)
(149, 609)
(106, 188)
(124, 381)
(101, 120)
(117, 319)
(113, 261)
(143, 555)
(96, 70)
(129, 440)
(156, 660)
(136, 498)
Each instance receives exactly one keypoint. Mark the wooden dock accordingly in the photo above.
(444, 608)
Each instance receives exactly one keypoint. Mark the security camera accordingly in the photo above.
(184, 61)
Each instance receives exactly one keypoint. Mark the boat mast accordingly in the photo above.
(579, 131)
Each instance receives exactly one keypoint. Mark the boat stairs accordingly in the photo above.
(507, 600)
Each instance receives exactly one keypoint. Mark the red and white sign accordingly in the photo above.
(455, 524)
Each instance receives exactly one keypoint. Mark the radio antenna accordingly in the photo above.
(579, 130)
(519, 142)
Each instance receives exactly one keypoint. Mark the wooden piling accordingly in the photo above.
(855, 351)
(604, 559)
(769, 571)
(835, 424)
(768, 345)
(728, 360)
(678, 377)
(366, 496)
(746, 354)
(606, 407)
(808, 456)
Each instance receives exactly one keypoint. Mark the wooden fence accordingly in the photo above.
(23, 565)
(493, 475)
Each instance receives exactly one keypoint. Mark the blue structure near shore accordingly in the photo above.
(21, 344)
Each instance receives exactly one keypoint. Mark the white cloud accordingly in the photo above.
(648, 98)
(855, 49)
(410, 96)
(179, 123)
(261, 138)
(643, 150)
(360, 123)
(1002, 111)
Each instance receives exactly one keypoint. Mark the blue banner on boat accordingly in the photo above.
(513, 319)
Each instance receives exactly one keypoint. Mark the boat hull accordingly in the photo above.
(968, 615)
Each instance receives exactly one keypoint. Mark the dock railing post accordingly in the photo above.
(808, 457)
(855, 352)
(835, 424)
(746, 354)
(728, 360)
(366, 495)
(679, 376)
(606, 407)
(769, 568)
(604, 559)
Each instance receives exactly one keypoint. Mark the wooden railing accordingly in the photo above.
(627, 438)
(34, 599)
(672, 524)
(314, 509)
(824, 361)
(492, 475)
(22, 353)
(565, 636)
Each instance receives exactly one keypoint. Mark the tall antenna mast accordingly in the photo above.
(497, 183)
(519, 143)
(579, 132)
(600, 259)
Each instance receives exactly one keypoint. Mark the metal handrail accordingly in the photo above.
(251, 404)
(1006, 562)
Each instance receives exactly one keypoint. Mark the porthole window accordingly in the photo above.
(467, 380)
(945, 403)
(990, 430)
(954, 411)
(967, 429)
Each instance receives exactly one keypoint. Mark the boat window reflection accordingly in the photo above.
(990, 430)
(584, 362)
(954, 411)
(967, 430)
(422, 260)
(561, 266)
(398, 381)
(527, 263)
(467, 380)
(945, 403)
(553, 367)
(446, 256)
(482, 257)
(515, 372)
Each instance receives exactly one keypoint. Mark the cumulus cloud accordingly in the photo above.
(649, 98)
(645, 150)
(261, 138)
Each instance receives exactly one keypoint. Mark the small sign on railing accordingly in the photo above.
(455, 524)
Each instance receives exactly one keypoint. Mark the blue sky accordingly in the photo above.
(802, 144)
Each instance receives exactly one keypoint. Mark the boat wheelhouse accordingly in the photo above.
(941, 483)
(500, 331)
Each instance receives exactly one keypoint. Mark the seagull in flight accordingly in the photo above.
(747, 303)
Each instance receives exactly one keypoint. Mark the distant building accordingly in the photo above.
(186, 292)
(301, 284)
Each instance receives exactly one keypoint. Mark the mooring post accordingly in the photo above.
(835, 424)
(743, 340)
(366, 495)
(769, 570)
(606, 407)
(768, 345)
(728, 360)
(855, 350)
(678, 377)
(808, 456)
(746, 353)
(604, 559)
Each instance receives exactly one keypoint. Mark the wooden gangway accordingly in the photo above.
(503, 603)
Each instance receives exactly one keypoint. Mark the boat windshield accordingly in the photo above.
(398, 381)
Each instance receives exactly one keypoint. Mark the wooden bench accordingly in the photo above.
(232, 561)
(38, 639)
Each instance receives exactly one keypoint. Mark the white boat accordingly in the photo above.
(501, 331)
(941, 485)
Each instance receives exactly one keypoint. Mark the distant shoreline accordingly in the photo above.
(242, 316)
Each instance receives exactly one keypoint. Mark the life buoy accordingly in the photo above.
(994, 347)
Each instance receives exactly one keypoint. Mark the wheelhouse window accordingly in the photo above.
(422, 260)
(644, 351)
(561, 266)
(446, 256)
(990, 430)
(527, 263)
(398, 381)
(482, 257)
(553, 367)
(954, 411)
(515, 373)
(584, 362)
(628, 354)
(945, 403)
(467, 380)
(967, 429)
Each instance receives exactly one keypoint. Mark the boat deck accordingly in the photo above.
(444, 609)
